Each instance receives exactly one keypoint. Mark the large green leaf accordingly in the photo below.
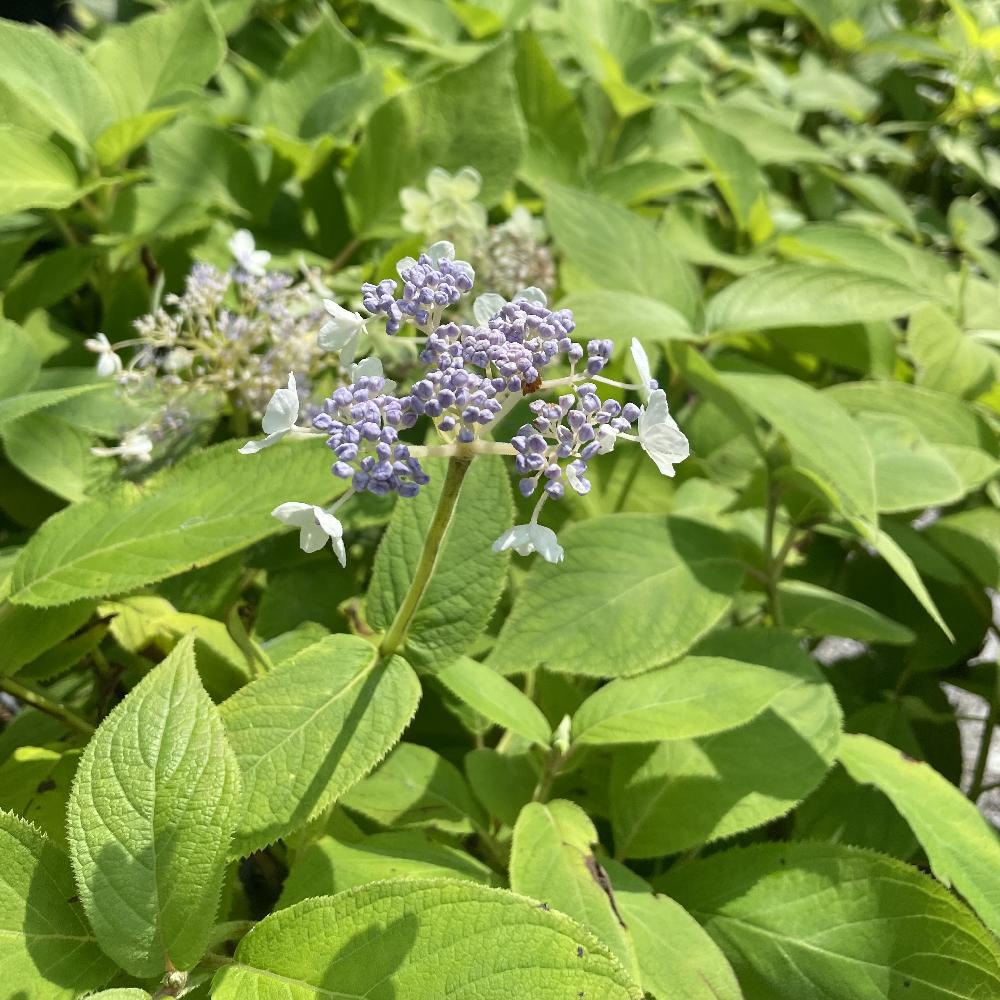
(213, 503)
(161, 57)
(421, 939)
(329, 865)
(47, 951)
(552, 859)
(496, 698)
(696, 696)
(960, 845)
(34, 173)
(807, 295)
(468, 117)
(52, 82)
(308, 730)
(634, 591)
(151, 814)
(683, 793)
(618, 250)
(677, 959)
(468, 578)
(817, 921)
(824, 440)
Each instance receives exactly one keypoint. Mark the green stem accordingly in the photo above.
(35, 698)
(983, 756)
(771, 559)
(433, 544)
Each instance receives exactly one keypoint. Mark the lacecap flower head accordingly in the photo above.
(474, 373)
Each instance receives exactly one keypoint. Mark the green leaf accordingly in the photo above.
(619, 316)
(696, 696)
(824, 440)
(807, 295)
(151, 814)
(118, 140)
(26, 633)
(910, 473)
(736, 175)
(34, 173)
(421, 939)
(160, 58)
(54, 83)
(65, 465)
(503, 782)
(557, 146)
(327, 54)
(19, 361)
(902, 565)
(825, 612)
(972, 538)
(329, 865)
(416, 787)
(946, 358)
(310, 729)
(467, 117)
(683, 793)
(495, 697)
(552, 859)
(677, 959)
(634, 591)
(47, 951)
(815, 921)
(212, 503)
(961, 846)
(618, 250)
(468, 578)
(35, 783)
(15, 407)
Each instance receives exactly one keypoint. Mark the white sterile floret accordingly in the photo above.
(527, 538)
(659, 435)
(487, 306)
(641, 361)
(279, 418)
(371, 367)
(315, 527)
(606, 437)
(135, 446)
(108, 363)
(245, 252)
(341, 331)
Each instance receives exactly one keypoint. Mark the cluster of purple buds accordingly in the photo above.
(362, 425)
(430, 285)
(564, 437)
(457, 400)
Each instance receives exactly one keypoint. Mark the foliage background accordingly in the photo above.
(794, 204)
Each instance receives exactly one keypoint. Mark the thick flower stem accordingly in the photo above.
(433, 544)
(29, 696)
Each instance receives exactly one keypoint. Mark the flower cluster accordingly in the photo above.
(229, 339)
(507, 257)
(475, 374)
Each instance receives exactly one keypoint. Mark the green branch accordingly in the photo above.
(36, 699)
(433, 543)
